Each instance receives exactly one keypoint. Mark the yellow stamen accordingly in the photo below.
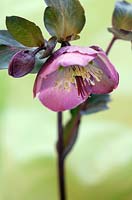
(89, 74)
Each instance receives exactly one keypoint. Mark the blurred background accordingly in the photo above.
(100, 166)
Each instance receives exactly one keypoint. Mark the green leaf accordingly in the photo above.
(96, 103)
(24, 31)
(71, 131)
(7, 39)
(64, 19)
(122, 16)
(121, 34)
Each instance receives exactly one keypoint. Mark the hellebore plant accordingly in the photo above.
(71, 78)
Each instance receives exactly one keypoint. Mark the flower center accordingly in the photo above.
(81, 77)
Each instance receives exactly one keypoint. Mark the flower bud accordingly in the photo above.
(21, 63)
(122, 16)
(122, 21)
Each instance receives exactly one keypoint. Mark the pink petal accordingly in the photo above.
(110, 78)
(55, 98)
(66, 56)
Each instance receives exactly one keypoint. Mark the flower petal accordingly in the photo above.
(110, 77)
(57, 98)
(66, 56)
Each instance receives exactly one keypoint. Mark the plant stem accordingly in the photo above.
(110, 45)
(61, 172)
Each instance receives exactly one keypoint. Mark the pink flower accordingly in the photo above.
(71, 74)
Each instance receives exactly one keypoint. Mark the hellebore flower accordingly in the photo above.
(71, 74)
(21, 63)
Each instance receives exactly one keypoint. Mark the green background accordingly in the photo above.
(100, 166)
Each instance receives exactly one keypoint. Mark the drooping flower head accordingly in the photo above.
(71, 74)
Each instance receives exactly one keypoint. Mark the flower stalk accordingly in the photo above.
(60, 147)
(110, 45)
